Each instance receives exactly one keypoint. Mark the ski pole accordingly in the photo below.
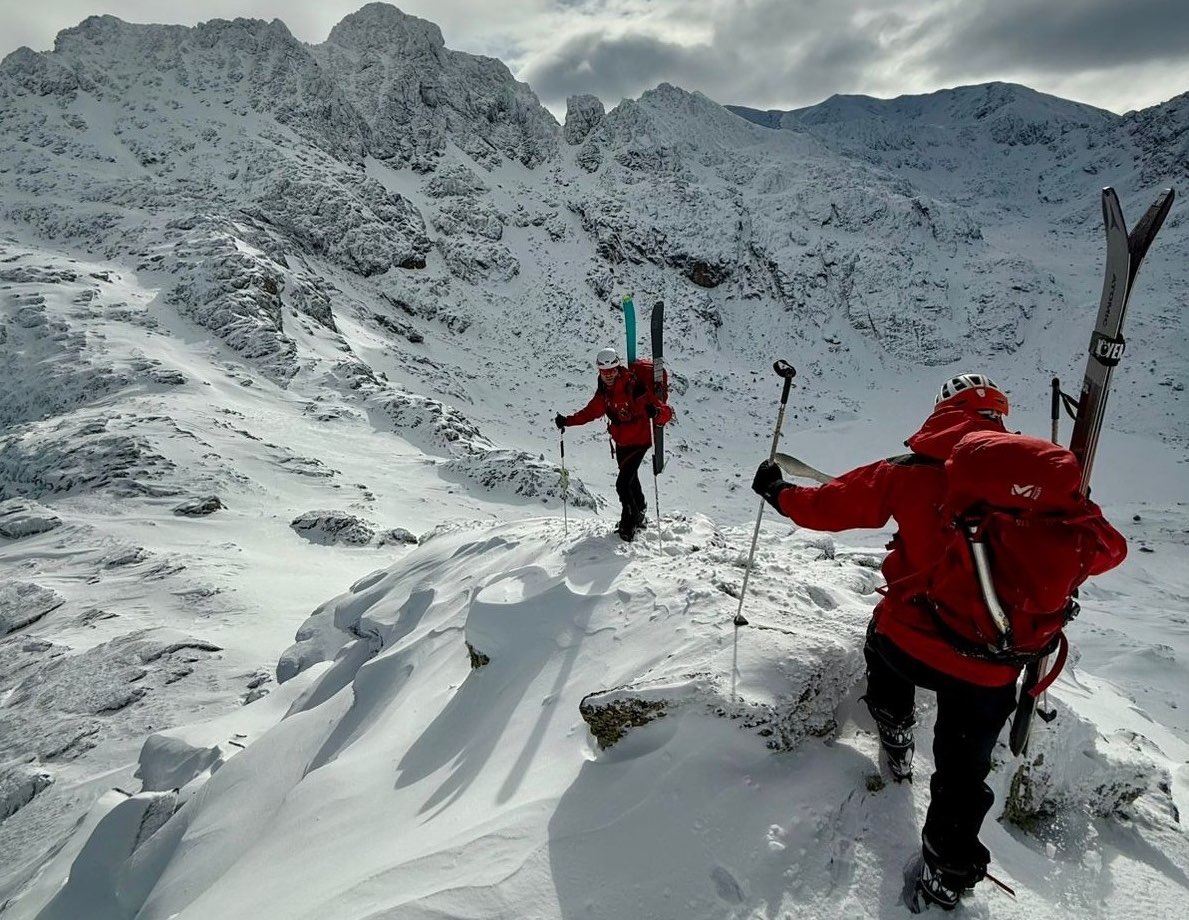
(787, 372)
(1043, 709)
(565, 485)
(1055, 410)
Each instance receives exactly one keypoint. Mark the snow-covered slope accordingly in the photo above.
(272, 313)
(520, 723)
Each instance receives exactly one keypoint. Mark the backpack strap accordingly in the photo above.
(1045, 682)
(914, 459)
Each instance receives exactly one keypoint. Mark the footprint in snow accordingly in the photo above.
(725, 886)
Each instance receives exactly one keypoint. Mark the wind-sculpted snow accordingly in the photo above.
(446, 691)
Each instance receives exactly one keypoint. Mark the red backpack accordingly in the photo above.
(645, 373)
(1020, 540)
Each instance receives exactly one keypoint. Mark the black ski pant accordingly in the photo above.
(627, 483)
(969, 720)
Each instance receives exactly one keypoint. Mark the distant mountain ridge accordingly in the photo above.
(901, 232)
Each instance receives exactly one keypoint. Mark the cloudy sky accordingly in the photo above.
(763, 53)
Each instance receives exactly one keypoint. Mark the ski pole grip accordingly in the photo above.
(788, 372)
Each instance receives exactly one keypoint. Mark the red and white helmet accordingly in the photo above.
(976, 392)
(607, 359)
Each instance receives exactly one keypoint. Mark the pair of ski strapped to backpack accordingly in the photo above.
(652, 370)
(1019, 506)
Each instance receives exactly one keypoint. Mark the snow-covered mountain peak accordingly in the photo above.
(417, 95)
(958, 107)
(382, 28)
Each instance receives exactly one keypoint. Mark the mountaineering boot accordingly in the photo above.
(627, 526)
(924, 886)
(938, 888)
(931, 880)
(640, 518)
(896, 738)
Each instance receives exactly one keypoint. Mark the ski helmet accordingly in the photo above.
(976, 392)
(607, 359)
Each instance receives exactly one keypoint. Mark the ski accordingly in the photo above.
(1124, 255)
(629, 327)
(799, 468)
(658, 382)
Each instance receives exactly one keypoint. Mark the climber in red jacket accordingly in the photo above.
(630, 404)
(905, 646)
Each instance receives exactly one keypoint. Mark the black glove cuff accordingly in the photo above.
(772, 493)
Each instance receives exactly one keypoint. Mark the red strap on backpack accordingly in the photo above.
(1047, 681)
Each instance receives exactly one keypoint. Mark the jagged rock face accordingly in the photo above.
(416, 94)
(329, 527)
(584, 114)
(968, 141)
(248, 64)
(1162, 134)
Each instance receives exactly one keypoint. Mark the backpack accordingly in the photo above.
(1020, 539)
(645, 373)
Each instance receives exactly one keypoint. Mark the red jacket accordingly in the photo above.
(911, 492)
(625, 404)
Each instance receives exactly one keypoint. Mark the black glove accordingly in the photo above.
(767, 476)
(650, 410)
(560, 421)
(769, 483)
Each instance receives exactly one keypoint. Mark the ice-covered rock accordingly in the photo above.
(329, 527)
(23, 603)
(20, 518)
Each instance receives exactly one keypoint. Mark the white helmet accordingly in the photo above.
(606, 359)
(976, 392)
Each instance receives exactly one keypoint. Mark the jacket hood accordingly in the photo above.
(945, 427)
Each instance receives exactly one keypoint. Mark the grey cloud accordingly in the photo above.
(613, 69)
(1052, 37)
(728, 70)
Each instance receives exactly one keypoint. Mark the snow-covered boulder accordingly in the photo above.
(19, 518)
(19, 785)
(200, 506)
(330, 527)
(23, 603)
